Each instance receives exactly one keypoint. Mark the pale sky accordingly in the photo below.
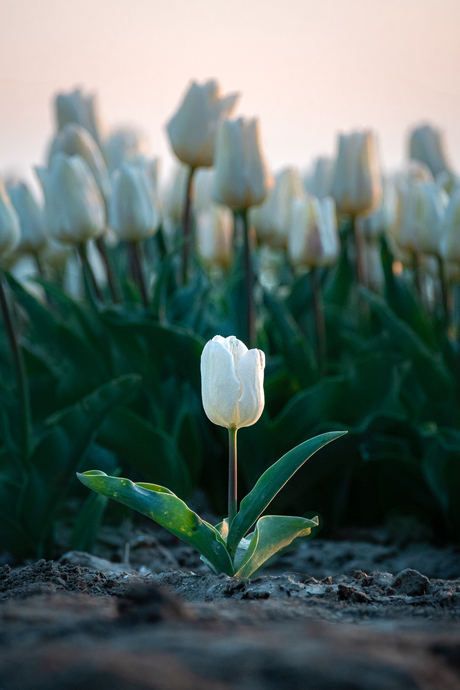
(307, 68)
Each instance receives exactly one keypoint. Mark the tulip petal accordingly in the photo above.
(250, 371)
(221, 388)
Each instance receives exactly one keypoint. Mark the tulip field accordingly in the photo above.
(209, 336)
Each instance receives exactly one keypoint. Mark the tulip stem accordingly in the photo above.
(88, 275)
(186, 226)
(250, 323)
(232, 475)
(417, 275)
(359, 253)
(20, 370)
(110, 273)
(138, 273)
(445, 294)
(320, 325)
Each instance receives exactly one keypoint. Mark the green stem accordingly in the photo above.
(232, 475)
(20, 370)
(359, 253)
(88, 275)
(138, 273)
(445, 292)
(249, 279)
(417, 275)
(186, 227)
(320, 326)
(113, 282)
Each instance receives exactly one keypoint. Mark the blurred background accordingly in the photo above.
(307, 69)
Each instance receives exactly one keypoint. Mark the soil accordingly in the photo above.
(144, 613)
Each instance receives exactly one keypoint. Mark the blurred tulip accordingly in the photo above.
(382, 219)
(313, 236)
(75, 140)
(10, 229)
(192, 130)
(173, 195)
(78, 200)
(33, 237)
(203, 185)
(232, 382)
(272, 220)
(319, 182)
(123, 145)
(242, 179)
(356, 185)
(451, 229)
(80, 109)
(215, 236)
(133, 214)
(426, 144)
(420, 211)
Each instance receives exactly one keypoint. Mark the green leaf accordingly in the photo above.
(272, 533)
(88, 522)
(60, 449)
(271, 482)
(169, 511)
(150, 449)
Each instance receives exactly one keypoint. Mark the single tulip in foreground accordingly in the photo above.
(232, 382)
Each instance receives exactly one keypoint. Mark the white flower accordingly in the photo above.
(78, 108)
(192, 130)
(451, 229)
(232, 382)
(10, 229)
(79, 204)
(133, 214)
(427, 145)
(30, 214)
(272, 220)
(313, 236)
(242, 179)
(214, 227)
(356, 186)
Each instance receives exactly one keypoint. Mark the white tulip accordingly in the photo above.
(427, 145)
(78, 108)
(133, 214)
(232, 382)
(272, 220)
(214, 227)
(319, 182)
(10, 229)
(123, 145)
(451, 229)
(79, 203)
(380, 221)
(33, 237)
(192, 130)
(419, 216)
(75, 140)
(356, 186)
(313, 236)
(242, 179)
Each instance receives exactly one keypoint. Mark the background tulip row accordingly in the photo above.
(347, 279)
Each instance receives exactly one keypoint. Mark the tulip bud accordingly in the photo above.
(313, 236)
(30, 214)
(10, 229)
(319, 182)
(78, 200)
(272, 220)
(420, 211)
(80, 109)
(356, 186)
(215, 235)
(75, 140)
(123, 145)
(192, 130)
(427, 145)
(133, 214)
(451, 229)
(232, 382)
(380, 221)
(242, 179)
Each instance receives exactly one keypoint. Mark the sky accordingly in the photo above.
(307, 68)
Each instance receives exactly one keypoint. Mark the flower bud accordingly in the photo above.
(79, 204)
(420, 211)
(192, 130)
(356, 186)
(232, 382)
(133, 214)
(427, 145)
(215, 235)
(80, 109)
(313, 236)
(319, 182)
(75, 140)
(242, 179)
(451, 229)
(30, 214)
(272, 220)
(10, 229)
(123, 145)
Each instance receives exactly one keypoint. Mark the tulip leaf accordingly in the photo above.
(272, 533)
(168, 510)
(270, 483)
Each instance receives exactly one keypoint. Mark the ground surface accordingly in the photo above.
(349, 615)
